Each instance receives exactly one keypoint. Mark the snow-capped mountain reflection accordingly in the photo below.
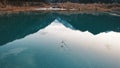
(58, 46)
(17, 26)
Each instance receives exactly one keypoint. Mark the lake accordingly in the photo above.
(59, 40)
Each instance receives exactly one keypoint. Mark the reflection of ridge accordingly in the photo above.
(19, 25)
(93, 23)
(65, 23)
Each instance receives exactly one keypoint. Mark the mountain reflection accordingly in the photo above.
(16, 26)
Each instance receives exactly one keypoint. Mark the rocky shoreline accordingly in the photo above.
(74, 7)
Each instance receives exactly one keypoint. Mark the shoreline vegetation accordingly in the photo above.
(67, 6)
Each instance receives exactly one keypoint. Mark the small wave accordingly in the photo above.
(114, 14)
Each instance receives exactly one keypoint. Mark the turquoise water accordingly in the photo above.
(57, 40)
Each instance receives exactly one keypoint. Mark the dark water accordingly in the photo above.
(55, 40)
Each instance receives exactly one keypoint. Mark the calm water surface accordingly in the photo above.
(55, 40)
